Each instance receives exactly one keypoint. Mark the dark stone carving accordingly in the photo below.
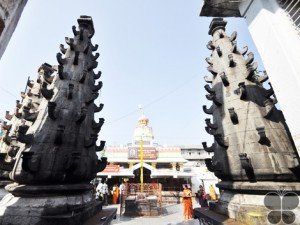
(54, 139)
(98, 108)
(209, 89)
(83, 76)
(30, 83)
(211, 125)
(94, 48)
(70, 91)
(18, 104)
(98, 75)
(208, 111)
(269, 107)
(234, 48)
(220, 140)
(8, 116)
(251, 68)
(97, 126)
(61, 73)
(219, 51)
(96, 56)
(100, 147)
(242, 91)
(62, 49)
(210, 46)
(51, 110)
(231, 62)
(23, 137)
(82, 115)
(58, 139)
(263, 139)
(31, 162)
(208, 149)
(92, 65)
(210, 131)
(224, 79)
(97, 87)
(75, 32)
(70, 42)
(233, 116)
(208, 60)
(86, 49)
(269, 92)
(28, 115)
(47, 93)
(262, 79)
(212, 97)
(245, 50)
(92, 98)
(60, 60)
(75, 62)
(233, 36)
(208, 80)
(250, 58)
(4, 165)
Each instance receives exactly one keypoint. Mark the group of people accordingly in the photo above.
(201, 198)
(102, 192)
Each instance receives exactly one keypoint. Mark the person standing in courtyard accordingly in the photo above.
(187, 202)
(202, 197)
(115, 194)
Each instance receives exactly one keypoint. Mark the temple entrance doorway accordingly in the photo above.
(137, 176)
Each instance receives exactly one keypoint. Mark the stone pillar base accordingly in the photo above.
(244, 203)
(47, 209)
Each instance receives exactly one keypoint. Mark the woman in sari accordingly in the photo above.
(187, 202)
(115, 194)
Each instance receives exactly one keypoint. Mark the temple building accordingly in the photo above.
(170, 166)
(160, 164)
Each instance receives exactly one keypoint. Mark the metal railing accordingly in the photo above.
(292, 8)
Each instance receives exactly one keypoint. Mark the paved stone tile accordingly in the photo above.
(172, 215)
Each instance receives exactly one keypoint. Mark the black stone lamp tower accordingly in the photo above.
(253, 151)
(55, 137)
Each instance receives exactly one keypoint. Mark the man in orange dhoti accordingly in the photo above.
(187, 203)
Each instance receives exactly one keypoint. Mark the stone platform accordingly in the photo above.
(51, 207)
(104, 217)
(147, 206)
(206, 216)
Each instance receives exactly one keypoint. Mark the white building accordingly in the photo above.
(10, 13)
(274, 27)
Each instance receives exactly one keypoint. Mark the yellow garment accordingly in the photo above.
(212, 193)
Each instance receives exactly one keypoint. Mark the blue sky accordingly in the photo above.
(151, 53)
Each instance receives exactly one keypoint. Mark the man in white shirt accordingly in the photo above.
(104, 192)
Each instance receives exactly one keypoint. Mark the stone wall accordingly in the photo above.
(10, 13)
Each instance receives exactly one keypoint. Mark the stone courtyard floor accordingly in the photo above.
(171, 215)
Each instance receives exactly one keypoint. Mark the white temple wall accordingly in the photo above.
(278, 43)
